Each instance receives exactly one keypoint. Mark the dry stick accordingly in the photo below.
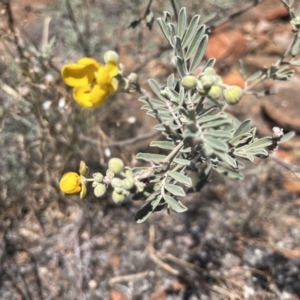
(81, 40)
(129, 277)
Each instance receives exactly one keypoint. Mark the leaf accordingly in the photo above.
(180, 65)
(217, 144)
(163, 145)
(209, 64)
(151, 157)
(210, 118)
(180, 178)
(157, 103)
(287, 137)
(215, 124)
(244, 127)
(171, 81)
(195, 43)
(199, 54)
(240, 139)
(261, 143)
(190, 31)
(155, 88)
(174, 189)
(147, 210)
(218, 134)
(181, 161)
(178, 47)
(172, 33)
(176, 205)
(164, 28)
(203, 177)
(181, 96)
(181, 26)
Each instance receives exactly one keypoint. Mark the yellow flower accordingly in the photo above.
(73, 183)
(92, 82)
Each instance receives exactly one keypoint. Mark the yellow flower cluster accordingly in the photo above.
(92, 82)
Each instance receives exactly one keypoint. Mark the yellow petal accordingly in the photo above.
(70, 183)
(107, 73)
(81, 74)
(99, 95)
(82, 96)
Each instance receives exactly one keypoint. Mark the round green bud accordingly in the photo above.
(128, 172)
(210, 71)
(100, 190)
(111, 56)
(214, 92)
(133, 77)
(117, 197)
(119, 189)
(128, 183)
(233, 94)
(200, 88)
(116, 182)
(98, 177)
(208, 80)
(116, 165)
(189, 82)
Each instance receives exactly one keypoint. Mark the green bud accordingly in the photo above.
(117, 197)
(209, 71)
(199, 87)
(208, 80)
(119, 189)
(128, 183)
(111, 56)
(295, 24)
(189, 82)
(128, 172)
(98, 177)
(133, 77)
(100, 190)
(116, 165)
(116, 182)
(233, 94)
(215, 92)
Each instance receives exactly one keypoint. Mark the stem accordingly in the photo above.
(173, 153)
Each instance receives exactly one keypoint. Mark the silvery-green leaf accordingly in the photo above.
(203, 177)
(167, 17)
(242, 69)
(180, 65)
(172, 32)
(151, 157)
(195, 43)
(215, 124)
(208, 150)
(254, 76)
(171, 81)
(164, 28)
(258, 152)
(230, 173)
(244, 155)
(244, 127)
(181, 26)
(146, 211)
(297, 11)
(209, 64)
(160, 127)
(190, 31)
(206, 111)
(146, 107)
(178, 47)
(181, 161)
(217, 144)
(157, 103)
(199, 54)
(166, 117)
(181, 96)
(218, 134)
(186, 150)
(180, 178)
(261, 143)
(204, 119)
(240, 139)
(176, 205)
(151, 114)
(163, 145)
(287, 137)
(231, 161)
(174, 189)
(155, 88)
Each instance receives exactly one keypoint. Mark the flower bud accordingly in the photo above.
(295, 24)
(233, 94)
(189, 82)
(209, 71)
(133, 77)
(83, 169)
(98, 177)
(116, 182)
(128, 183)
(208, 80)
(117, 197)
(214, 92)
(116, 165)
(100, 190)
(111, 56)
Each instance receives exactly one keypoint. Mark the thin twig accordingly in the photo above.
(81, 40)
(174, 10)
(129, 277)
